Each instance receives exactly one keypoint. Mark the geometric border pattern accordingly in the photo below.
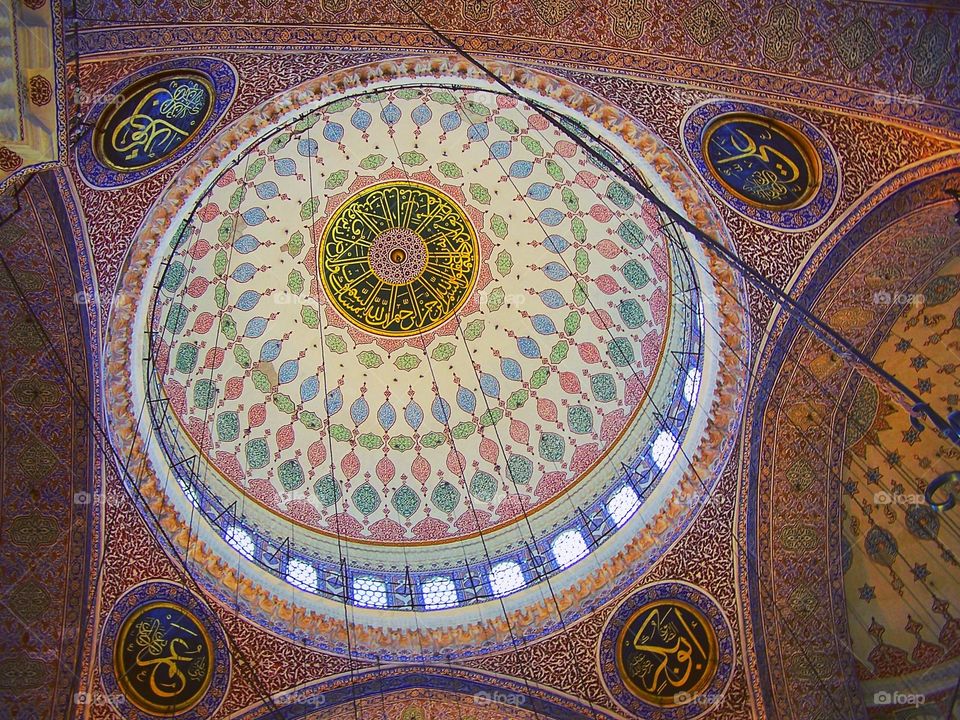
(810, 213)
(151, 592)
(224, 80)
(704, 700)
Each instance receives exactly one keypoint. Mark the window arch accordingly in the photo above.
(622, 504)
(241, 540)
(302, 574)
(439, 592)
(505, 577)
(369, 591)
(568, 547)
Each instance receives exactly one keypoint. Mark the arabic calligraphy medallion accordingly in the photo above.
(667, 652)
(163, 658)
(152, 119)
(761, 160)
(398, 258)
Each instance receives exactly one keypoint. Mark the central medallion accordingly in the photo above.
(398, 258)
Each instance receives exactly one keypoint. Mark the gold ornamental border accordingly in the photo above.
(260, 602)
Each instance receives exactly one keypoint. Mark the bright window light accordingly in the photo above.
(190, 491)
(505, 577)
(439, 592)
(369, 591)
(692, 385)
(302, 574)
(622, 504)
(241, 540)
(568, 547)
(664, 448)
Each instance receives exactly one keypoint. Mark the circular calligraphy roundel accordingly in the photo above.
(163, 654)
(667, 652)
(669, 648)
(769, 165)
(163, 657)
(761, 160)
(398, 258)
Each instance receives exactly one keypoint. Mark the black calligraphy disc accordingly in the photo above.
(667, 653)
(398, 258)
(152, 119)
(762, 161)
(163, 658)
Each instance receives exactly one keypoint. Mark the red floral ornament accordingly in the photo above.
(41, 91)
(9, 160)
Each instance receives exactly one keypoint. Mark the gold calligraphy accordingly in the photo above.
(398, 258)
(667, 653)
(761, 161)
(152, 119)
(163, 658)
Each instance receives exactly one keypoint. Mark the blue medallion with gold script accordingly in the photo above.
(163, 658)
(155, 118)
(771, 166)
(761, 160)
(164, 654)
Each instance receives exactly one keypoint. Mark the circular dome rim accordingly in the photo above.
(494, 530)
(593, 591)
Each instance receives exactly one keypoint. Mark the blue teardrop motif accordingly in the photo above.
(386, 415)
(489, 385)
(510, 369)
(543, 325)
(270, 350)
(248, 300)
(255, 327)
(334, 401)
(309, 388)
(288, 371)
(359, 411)
(413, 415)
(441, 410)
(466, 400)
(528, 347)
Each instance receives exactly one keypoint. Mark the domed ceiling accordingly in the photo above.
(415, 345)
(408, 401)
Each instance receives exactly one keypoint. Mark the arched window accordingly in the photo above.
(568, 547)
(369, 591)
(302, 574)
(692, 385)
(241, 540)
(622, 504)
(664, 448)
(505, 577)
(439, 592)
